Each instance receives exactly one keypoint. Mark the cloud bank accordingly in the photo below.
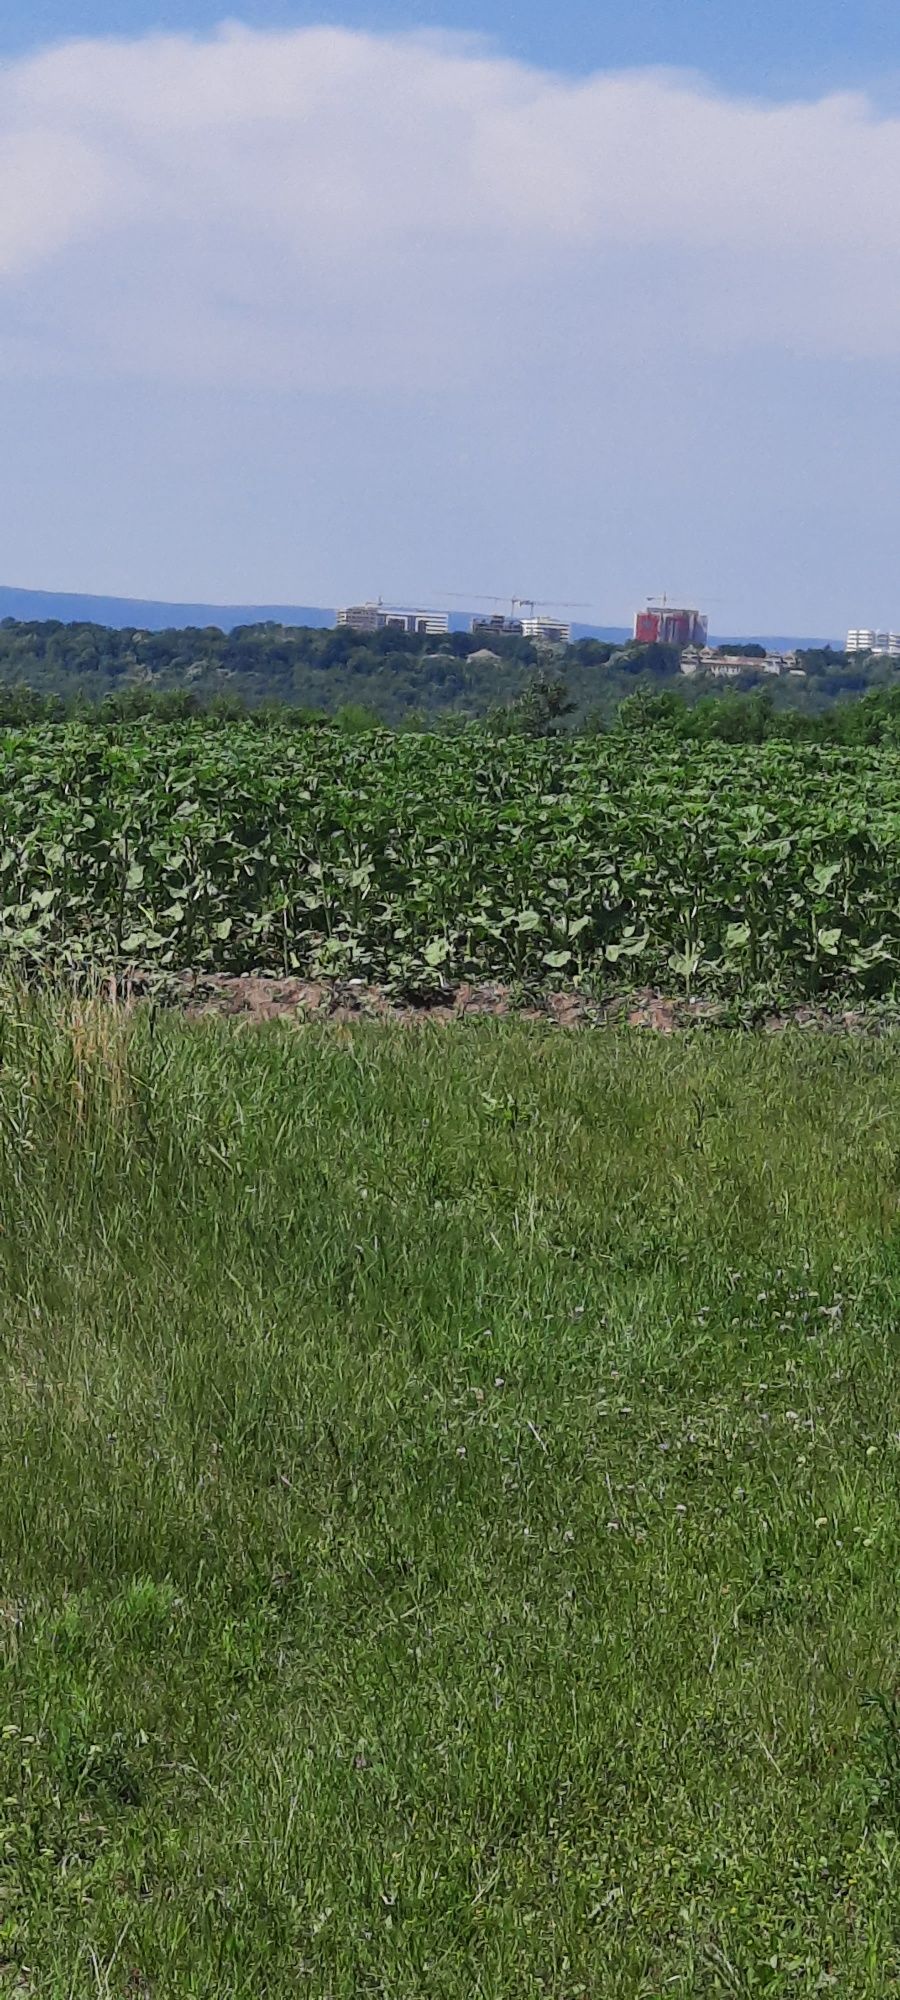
(331, 211)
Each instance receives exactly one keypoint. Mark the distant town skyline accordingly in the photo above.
(295, 312)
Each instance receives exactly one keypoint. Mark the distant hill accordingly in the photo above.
(148, 615)
(152, 615)
(776, 643)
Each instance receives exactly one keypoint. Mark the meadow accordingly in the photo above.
(450, 1511)
(755, 872)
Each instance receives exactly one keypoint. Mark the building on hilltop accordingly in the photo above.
(547, 631)
(379, 617)
(665, 624)
(866, 640)
(497, 626)
(727, 666)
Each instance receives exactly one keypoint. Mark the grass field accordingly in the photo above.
(450, 1512)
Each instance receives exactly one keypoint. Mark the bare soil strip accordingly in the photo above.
(255, 997)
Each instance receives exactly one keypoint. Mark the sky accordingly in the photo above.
(443, 298)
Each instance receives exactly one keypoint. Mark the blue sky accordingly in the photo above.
(776, 47)
(317, 306)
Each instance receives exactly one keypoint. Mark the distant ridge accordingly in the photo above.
(776, 643)
(151, 615)
(147, 614)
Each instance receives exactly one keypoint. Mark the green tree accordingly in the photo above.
(538, 711)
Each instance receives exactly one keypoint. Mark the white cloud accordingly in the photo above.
(326, 209)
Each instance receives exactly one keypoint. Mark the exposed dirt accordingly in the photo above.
(254, 997)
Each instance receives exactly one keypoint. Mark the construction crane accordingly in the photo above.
(533, 604)
(516, 604)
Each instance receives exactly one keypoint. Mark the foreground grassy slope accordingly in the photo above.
(450, 1513)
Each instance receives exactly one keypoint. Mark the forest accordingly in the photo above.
(50, 671)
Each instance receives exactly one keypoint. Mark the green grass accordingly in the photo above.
(450, 1512)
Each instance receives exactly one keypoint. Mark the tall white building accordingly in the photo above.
(866, 640)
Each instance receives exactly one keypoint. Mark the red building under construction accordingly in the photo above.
(669, 625)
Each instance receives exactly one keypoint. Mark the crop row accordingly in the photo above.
(420, 859)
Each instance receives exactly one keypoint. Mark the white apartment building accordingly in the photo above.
(866, 640)
(547, 631)
(379, 617)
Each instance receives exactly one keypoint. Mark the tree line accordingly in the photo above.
(299, 676)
